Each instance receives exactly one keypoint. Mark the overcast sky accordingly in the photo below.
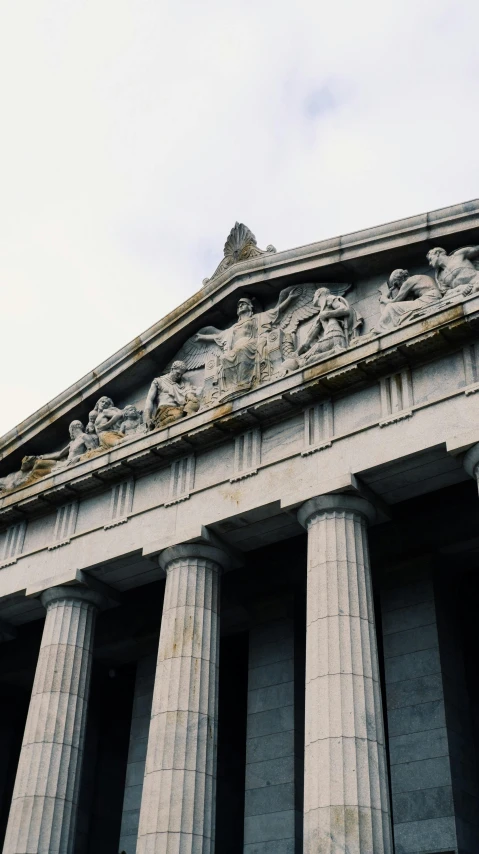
(135, 132)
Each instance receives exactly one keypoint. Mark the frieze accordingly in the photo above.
(309, 324)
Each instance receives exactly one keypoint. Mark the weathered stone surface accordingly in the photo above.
(178, 801)
(346, 803)
(45, 798)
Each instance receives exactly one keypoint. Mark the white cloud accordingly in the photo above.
(135, 132)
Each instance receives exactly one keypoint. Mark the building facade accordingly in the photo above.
(239, 566)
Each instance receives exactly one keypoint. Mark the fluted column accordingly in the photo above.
(346, 800)
(45, 797)
(179, 791)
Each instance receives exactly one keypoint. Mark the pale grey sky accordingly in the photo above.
(135, 132)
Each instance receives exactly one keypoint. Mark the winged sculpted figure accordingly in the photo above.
(261, 346)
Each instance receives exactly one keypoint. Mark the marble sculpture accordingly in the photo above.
(308, 323)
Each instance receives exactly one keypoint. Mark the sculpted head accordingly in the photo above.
(131, 411)
(177, 370)
(27, 464)
(320, 297)
(245, 307)
(435, 256)
(103, 403)
(75, 429)
(397, 278)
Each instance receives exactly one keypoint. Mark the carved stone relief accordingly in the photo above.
(262, 346)
(405, 298)
(308, 323)
(240, 246)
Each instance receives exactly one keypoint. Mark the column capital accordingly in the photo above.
(339, 502)
(71, 593)
(190, 551)
(471, 461)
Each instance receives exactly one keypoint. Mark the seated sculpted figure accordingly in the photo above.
(107, 423)
(241, 347)
(333, 327)
(170, 397)
(406, 295)
(456, 274)
(132, 421)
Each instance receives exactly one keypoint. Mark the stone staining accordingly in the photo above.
(346, 806)
(179, 790)
(45, 798)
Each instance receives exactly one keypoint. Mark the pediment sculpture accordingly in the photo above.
(264, 345)
(85, 443)
(405, 298)
(308, 323)
(240, 246)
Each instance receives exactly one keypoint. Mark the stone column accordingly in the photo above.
(471, 462)
(45, 797)
(346, 799)
(177, 813)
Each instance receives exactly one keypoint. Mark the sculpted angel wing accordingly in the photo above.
(195, 353)
(301, 306)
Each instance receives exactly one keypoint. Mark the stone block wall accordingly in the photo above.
(421, 780)
(140, 725)
(272, 819)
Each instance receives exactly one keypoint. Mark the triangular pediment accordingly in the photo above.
(277, 332)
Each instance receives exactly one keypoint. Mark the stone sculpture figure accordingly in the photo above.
(107, 423)
(170, 397)
(457, 274)
(23, 477)
(406, 295)
(261, 346)
(334, 327)
(81, 446)
(90, 427)
(132, 421)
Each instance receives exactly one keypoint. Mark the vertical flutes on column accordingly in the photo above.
(179, 790)
(346, 798)
(45, 797)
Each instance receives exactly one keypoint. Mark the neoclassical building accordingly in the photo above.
(239, 566)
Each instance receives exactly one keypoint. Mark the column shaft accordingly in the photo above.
(178, 803)
(346, 802)
(45, 797)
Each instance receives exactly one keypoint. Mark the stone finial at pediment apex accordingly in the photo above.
(240, 246)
